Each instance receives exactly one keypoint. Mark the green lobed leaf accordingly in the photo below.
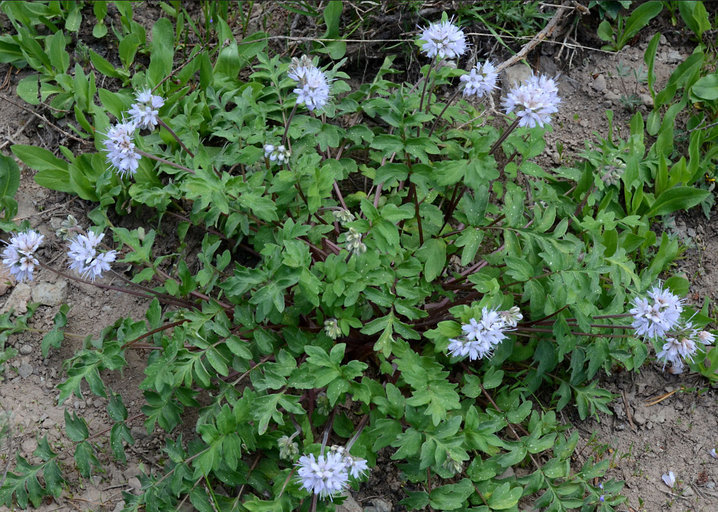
(452, 496)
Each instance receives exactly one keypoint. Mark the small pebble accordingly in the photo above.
(26, 349)
(139, 433)
(25, 371)
(134, 482)
(381, 505)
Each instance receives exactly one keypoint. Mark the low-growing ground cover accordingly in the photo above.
(388, 263)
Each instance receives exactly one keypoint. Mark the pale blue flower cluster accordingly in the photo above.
(654, 318)
(144, 113)
(328, 475)
(312, 85)
(483, 335)
(119, 144)
(481, 80)
(533, 101)
(444, 40)
(660, 317)
(86, 260)
(19, 255)
(120, 148)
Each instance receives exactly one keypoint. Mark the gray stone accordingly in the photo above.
(132, 470)
(639, 417)
(119, 507)
(135, 484)
(50, 294)
(380, 505)
(349, 505)
(646, 100)
(25, 371)
(93, 494)
(513, 75)
(18, 299)
(509, 473)
(29, 445)
(672, 56)
(26, 349)
(6, 280)
(612, 96)
(599, 84)
(139, 433)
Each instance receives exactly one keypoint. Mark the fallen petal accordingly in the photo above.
(669, 479)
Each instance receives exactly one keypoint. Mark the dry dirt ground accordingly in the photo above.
(661, 422)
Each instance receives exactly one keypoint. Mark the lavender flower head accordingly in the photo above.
(533, 101)
(85, 258)
(653, 319)
(144, 113)
(444, 40)
(480, 81)
(682, 346)
(312, 84)
(328, 475)
(356, 466)
(19, 255)
(120, 148)
(483, 335)
(325, 475)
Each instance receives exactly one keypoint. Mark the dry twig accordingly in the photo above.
(545, 32)
(44, 120)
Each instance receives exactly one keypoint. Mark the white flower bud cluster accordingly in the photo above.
(278, 154)
(612, 172)
(343, 216)
(332, 329)
(354, 243)
(288, 449)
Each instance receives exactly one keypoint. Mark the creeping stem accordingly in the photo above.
(163, 161)
(289, 122)
(455, 198)
(172, 132)
(448, 103)
(161, 296)
(426, 82)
